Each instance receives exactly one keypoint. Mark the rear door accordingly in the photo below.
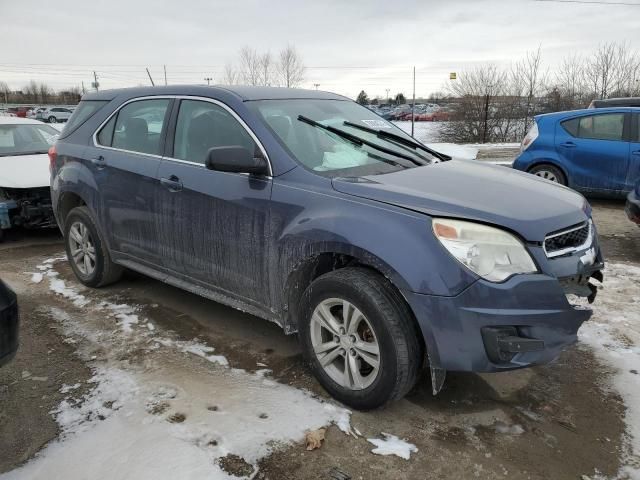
(634, 148)
(596, 150)
(125, 159)
(214, 225)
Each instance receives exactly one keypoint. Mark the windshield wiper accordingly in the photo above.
(402, 140)
(357, 140)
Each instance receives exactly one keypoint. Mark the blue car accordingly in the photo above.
(593, 151)
(309, 210)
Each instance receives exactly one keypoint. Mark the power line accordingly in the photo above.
(592, 2)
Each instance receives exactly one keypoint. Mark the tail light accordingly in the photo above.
(53, 155)
(530, 137)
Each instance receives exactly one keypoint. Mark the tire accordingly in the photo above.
(52, 119)
(549, 172)
(386, 321)
(100, 270)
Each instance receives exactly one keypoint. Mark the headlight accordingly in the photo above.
(490, 252)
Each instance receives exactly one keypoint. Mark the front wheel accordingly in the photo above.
(359, 337)
(52, 119)
(87, 251)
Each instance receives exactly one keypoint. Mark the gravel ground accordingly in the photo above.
(555, 421)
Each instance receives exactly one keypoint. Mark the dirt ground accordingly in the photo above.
(554, 421)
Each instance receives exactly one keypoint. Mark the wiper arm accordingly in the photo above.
(402, 140)
(357, 140)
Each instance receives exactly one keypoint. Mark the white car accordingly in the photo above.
(25, 199)
(54, 114)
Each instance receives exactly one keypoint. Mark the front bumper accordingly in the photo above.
(462, 333)
(632, 207)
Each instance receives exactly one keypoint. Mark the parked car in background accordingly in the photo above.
(592, 151)
(25, 198)
(632, 206)
(616, 102)
(307, 209)
(9, 324)
(54, 114)
(33, 112)
(20, 112)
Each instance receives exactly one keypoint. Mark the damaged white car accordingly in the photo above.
(25, 199)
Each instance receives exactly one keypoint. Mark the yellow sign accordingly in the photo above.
(452, 76)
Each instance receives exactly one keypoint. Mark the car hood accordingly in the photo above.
(518, 201)
(24, 171)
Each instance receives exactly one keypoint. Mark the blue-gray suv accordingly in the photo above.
(306, 209)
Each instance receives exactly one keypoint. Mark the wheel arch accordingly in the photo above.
(320, 262)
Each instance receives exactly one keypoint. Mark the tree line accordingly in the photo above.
(493, 104)
(39, 93)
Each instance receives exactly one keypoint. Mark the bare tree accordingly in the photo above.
(532, 78)
(4, 92)
(290, 68)
(231, 76)
(250, 69)
(476, 116)
(266, 69)
(44, 93)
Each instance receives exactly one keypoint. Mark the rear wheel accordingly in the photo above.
(549, 172)
(52, 119)
(359, 337)
(86, 250)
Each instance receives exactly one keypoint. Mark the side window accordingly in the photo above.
(204, 125)
(571, 126)
(138, 126)
(105, 136)
(606, 126)
(636, 134)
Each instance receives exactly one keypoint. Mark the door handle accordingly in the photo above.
(173, 183)
(99, 162)
(568, 144)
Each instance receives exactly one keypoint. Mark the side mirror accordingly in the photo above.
(236, 159)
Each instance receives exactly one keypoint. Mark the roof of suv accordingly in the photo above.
(246, 93)
(616, 102)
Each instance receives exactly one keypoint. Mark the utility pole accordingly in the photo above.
(151, 79)
(387, 90)
(165, 74)
(316, 85)
(486, 118)
(83, 89)
(95, 85)
(208, 79)
(413, 102)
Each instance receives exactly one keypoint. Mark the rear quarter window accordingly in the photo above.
(85, 110)
(571, 126)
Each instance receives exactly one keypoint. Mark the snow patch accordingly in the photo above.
(614, 335)
(154, 412)
(36, 277)
(392, 445)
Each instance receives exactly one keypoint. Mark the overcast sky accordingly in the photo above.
(63, 41)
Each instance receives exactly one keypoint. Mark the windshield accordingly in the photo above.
(331, 153)
(26, 139)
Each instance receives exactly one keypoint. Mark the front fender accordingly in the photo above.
(397, 242)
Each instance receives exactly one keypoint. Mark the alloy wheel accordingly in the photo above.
(82, 248)
(345, 344)
(548, 175)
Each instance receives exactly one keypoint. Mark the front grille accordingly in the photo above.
(567, 240)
